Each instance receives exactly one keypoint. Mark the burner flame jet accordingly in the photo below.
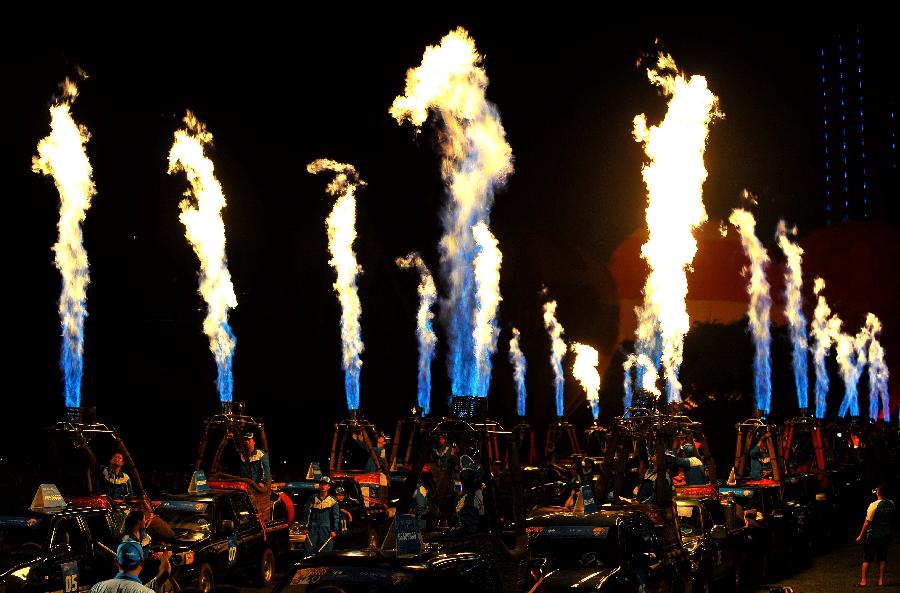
(62, 155)
(476, 161)
(585, 370)
(341, 224)
(760, 306)
(793, 311)
(205, 230)
(674, 178)
(517, 359)
(424, 327)
(557, 351)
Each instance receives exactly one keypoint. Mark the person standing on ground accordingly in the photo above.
(322, 517)
(876, 534)
(130, 560)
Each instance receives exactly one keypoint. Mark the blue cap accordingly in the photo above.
(129, 555)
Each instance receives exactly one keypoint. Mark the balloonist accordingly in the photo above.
(322, 517)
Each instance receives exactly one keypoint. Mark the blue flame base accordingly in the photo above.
(798, 362)
(71, 360)
(225, 381)
(351, 388)
(851, 402)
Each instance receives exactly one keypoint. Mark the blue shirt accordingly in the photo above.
(880, 516)
(256, 467)
(116, 486)
(442, 456)
(122, 583)
(694, 473)
(144, 542)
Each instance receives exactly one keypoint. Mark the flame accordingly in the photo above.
(823, 330)
(424, 327)
(793, 310)
(62, 155)
(585, 370)
(674, 178)
(341, 225)
(878, 372)
(476, 160)
(205, 230)
(628, 382)
(851, 358)
(648, 347)
(760, 305)
(649, 374)
(557, 351)
(487, 290)
(517, 359)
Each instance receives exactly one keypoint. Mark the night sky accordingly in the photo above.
(567, 97)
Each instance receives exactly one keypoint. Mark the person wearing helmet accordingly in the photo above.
(322, 517)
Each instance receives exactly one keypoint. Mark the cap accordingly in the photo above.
(324, 480)
(248, 435)
(339, 490)
(129, 555)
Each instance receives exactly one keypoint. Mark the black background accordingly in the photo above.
(567, 94)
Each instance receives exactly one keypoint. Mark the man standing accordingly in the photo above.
(255, 463)
(322, 517)
(130, 560)
(440, 454)
(470, 507)
(876, 534)
(116, 483)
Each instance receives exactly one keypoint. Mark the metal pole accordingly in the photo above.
(201, 448)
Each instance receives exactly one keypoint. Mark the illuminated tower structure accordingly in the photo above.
(858, 104)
